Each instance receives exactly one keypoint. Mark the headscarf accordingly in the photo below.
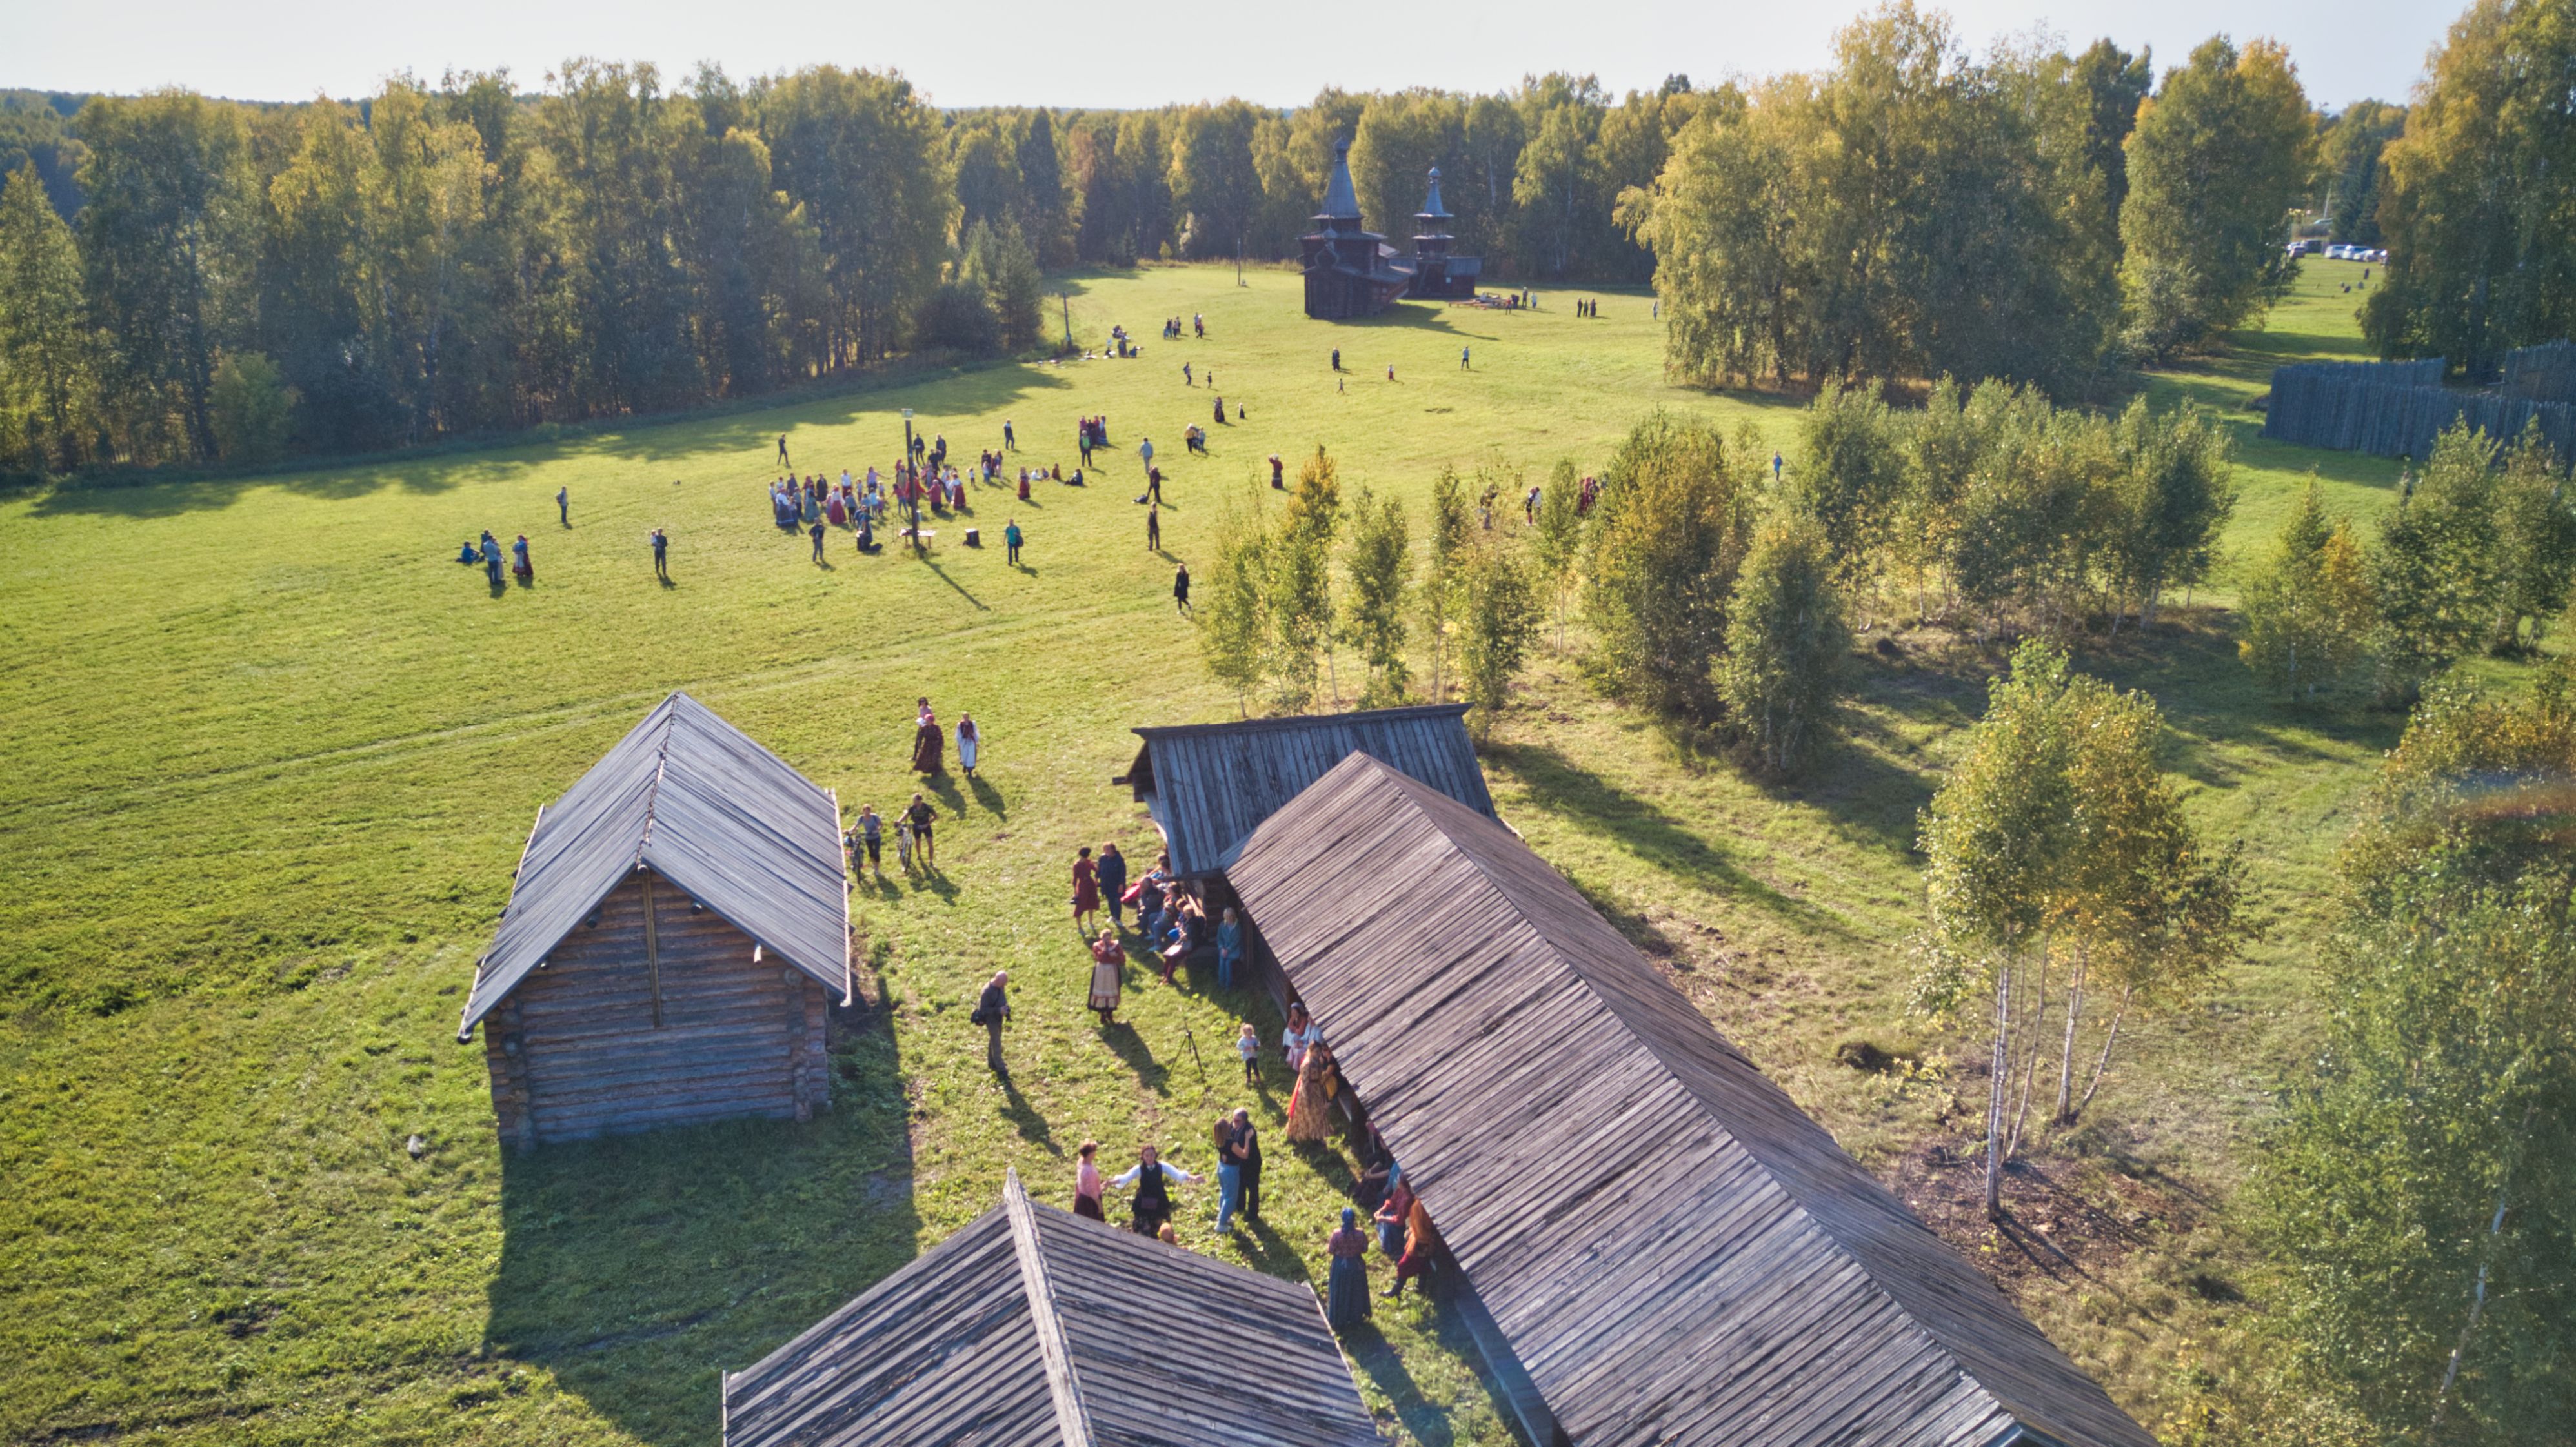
(1350, 1218)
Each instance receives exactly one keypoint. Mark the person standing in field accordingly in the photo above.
(1011, 536)
(816, 531)
(992, 1008)
(970, 742)
(1086, 890)
(1113, 880)
(1108, 971)
(563, 505)
(919, 815)
(1247, 1043)
(1346, 1296)
(1420, 1241)
(1181, 589)
(871, 833)
(1462, 359)
(1307, 1121)
(1010, 443)
(1153, 528)
(1229, 947)
(782, 450)
(1248, 1145)
(661, 555)
(1086, 1183)
(1153, 1178)
(520, 566)
(1145, 450)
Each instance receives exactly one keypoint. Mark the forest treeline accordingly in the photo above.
(187, 279)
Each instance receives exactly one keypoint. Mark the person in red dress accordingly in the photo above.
(1086, 889)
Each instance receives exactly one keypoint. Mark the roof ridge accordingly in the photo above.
(653, 791)
(1415, 793)
(1063, 1384)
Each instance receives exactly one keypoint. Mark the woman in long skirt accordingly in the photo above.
(1086, 889)
(969, 740)
(1306, 1119)
(1346, 1295)
(1086, 1184)
(1108, 959)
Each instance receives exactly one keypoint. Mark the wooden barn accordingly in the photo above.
(1350, 272)
(1209, 785)
(1035, 1326)
(1658, 1247)
(678, 925)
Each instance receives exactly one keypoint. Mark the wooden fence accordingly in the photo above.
(2396, 409)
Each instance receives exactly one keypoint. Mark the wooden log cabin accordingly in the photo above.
(678, 927)
(1033, 1325)
(1659, 1249)
(1208, 786)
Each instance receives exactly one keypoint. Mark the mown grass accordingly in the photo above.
(268, 756)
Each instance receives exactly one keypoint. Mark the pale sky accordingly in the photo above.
(1050, 52)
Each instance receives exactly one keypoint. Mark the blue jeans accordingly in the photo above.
(1225, 969)
(1229, 1195)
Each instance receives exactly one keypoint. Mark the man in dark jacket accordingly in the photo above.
(1113, 881)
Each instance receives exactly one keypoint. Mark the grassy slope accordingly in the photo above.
(268, 758)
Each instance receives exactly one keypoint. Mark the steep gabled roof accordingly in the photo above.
(1034, 1326)
(1676, 1253)
(692, 798)
(1209, 784)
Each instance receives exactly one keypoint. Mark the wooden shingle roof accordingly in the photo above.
(1035, 1326)
(699, 803)
(1676, 1253)
(1208, 785)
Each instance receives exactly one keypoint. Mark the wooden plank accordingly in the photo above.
(1063, 1385)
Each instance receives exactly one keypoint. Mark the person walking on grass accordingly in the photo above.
(1011, 536)
(1086, 890)
(817, 532)
(661, 555)
(1181, 589)
(1108, 976)
(782, 449)
(563, 505)
(871, 833)
(1010, 443)
(1153, 1178)
(903, 842)
(1113, 881)
(919, 815)
(1145, 450)
(992, 1008)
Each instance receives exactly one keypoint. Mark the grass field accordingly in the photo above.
(267, 755)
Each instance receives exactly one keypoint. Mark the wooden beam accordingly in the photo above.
(653, 951)
(1070, 1419)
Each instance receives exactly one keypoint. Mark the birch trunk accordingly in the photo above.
(2065, 1114)
(2104, 1064)
(1999, 1071)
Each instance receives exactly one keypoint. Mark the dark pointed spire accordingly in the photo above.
(1431, 209)
(1341, 199)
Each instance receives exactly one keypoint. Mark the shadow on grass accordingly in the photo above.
(1373, 1354)
(1124, 1041)
(1583, 800)
(637, 1269)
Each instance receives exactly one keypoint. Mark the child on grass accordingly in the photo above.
(1247, 1043)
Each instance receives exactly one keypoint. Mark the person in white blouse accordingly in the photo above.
(1152, 1177)
(1302, 1031)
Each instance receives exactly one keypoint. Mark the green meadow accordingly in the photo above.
(267, 755)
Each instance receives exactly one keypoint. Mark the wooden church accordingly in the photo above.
(1352, 272)
(678, 926)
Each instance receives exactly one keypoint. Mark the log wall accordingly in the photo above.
(634, 1023)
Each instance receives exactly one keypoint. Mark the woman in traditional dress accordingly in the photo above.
(926, 743)
(969, 738)
(1086, 1184)
(1306, 1119)
(1108, 961)
(1086, 889)
(1346, 1296)
(1301, 1033)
